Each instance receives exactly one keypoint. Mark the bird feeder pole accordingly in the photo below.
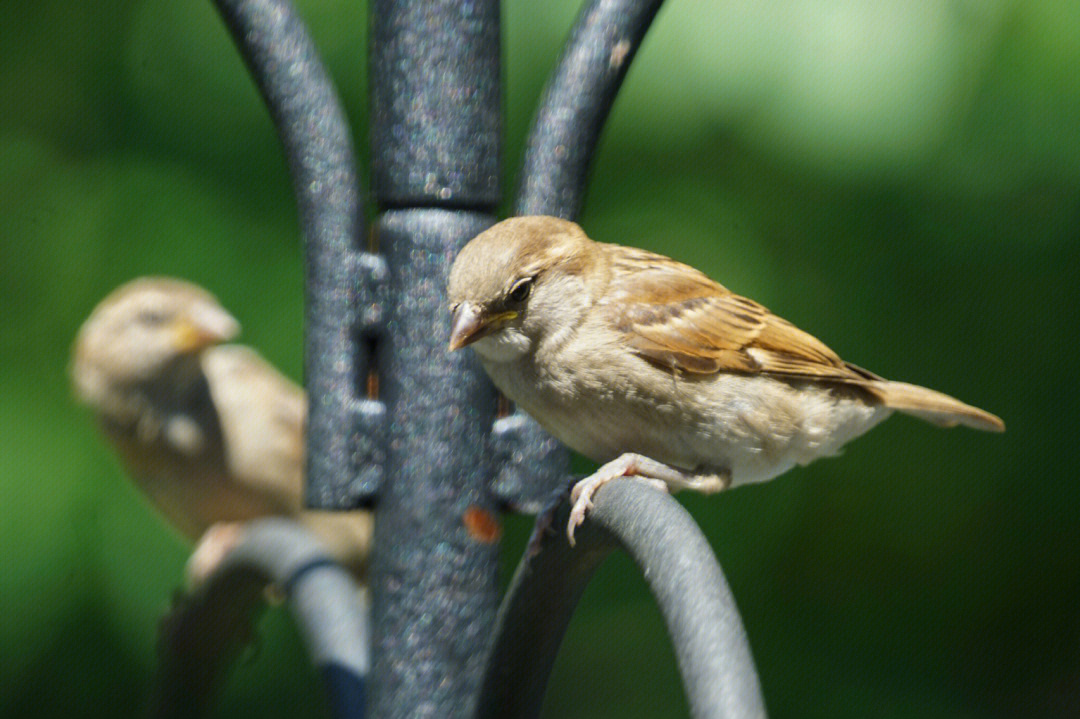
(426, 451)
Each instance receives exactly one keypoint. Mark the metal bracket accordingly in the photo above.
(529, 463)
(369, 293)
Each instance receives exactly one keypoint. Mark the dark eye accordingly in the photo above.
(151, 317)
(520, 291)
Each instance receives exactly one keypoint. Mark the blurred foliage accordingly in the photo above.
(902, 179)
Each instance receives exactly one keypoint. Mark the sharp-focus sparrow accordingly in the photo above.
(648, 366)
(212, 433)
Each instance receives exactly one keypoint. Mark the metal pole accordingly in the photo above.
(435, 131)
(576, 103)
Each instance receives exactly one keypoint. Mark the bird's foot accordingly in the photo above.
(215, 543)
(628, 465)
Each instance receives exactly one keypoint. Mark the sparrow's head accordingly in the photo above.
(140, 329)
(514, 282)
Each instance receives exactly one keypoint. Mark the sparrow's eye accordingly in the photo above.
(520, 291)
(152, 317)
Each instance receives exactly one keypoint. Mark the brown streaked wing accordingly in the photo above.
(679, 319)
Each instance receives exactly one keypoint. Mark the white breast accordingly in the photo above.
(754, 427)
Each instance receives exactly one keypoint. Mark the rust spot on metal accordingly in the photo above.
(503, 406)
(482, 525)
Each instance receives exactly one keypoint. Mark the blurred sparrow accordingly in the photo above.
(213, 434)
(648, 366)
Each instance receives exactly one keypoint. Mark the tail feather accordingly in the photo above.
(934, 407)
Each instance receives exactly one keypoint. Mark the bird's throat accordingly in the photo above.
(505, 345)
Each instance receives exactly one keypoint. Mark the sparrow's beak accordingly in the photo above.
(470, 323)
(202, 327)
(466, 326)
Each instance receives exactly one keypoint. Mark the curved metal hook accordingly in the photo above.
(667, 545)
(576, 103)
(558, 154)
(343, 284)
(206, 630)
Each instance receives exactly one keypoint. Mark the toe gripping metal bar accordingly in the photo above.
(698, 608)
(206, 629)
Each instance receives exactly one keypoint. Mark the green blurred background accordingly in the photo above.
(900, 178)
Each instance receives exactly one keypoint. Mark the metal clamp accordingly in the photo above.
(529, 464)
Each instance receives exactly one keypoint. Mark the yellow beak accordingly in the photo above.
(202, 328)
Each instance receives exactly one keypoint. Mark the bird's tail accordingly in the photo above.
(934, 407)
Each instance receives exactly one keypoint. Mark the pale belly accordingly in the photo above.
(750, 427)
(192, 494)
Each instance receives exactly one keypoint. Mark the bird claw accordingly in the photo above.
(211, 550)
(628, 465)
(581, 495)
(577, 515)
(545, 520)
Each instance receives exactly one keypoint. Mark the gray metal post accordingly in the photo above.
(435, 132)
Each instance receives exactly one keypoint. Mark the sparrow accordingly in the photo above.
(652, 369)
(212, 433)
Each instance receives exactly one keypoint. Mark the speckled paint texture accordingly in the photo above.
(434, 580)
(435, 133)
(436, 107)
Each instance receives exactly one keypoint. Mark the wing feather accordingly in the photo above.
(679, 319)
